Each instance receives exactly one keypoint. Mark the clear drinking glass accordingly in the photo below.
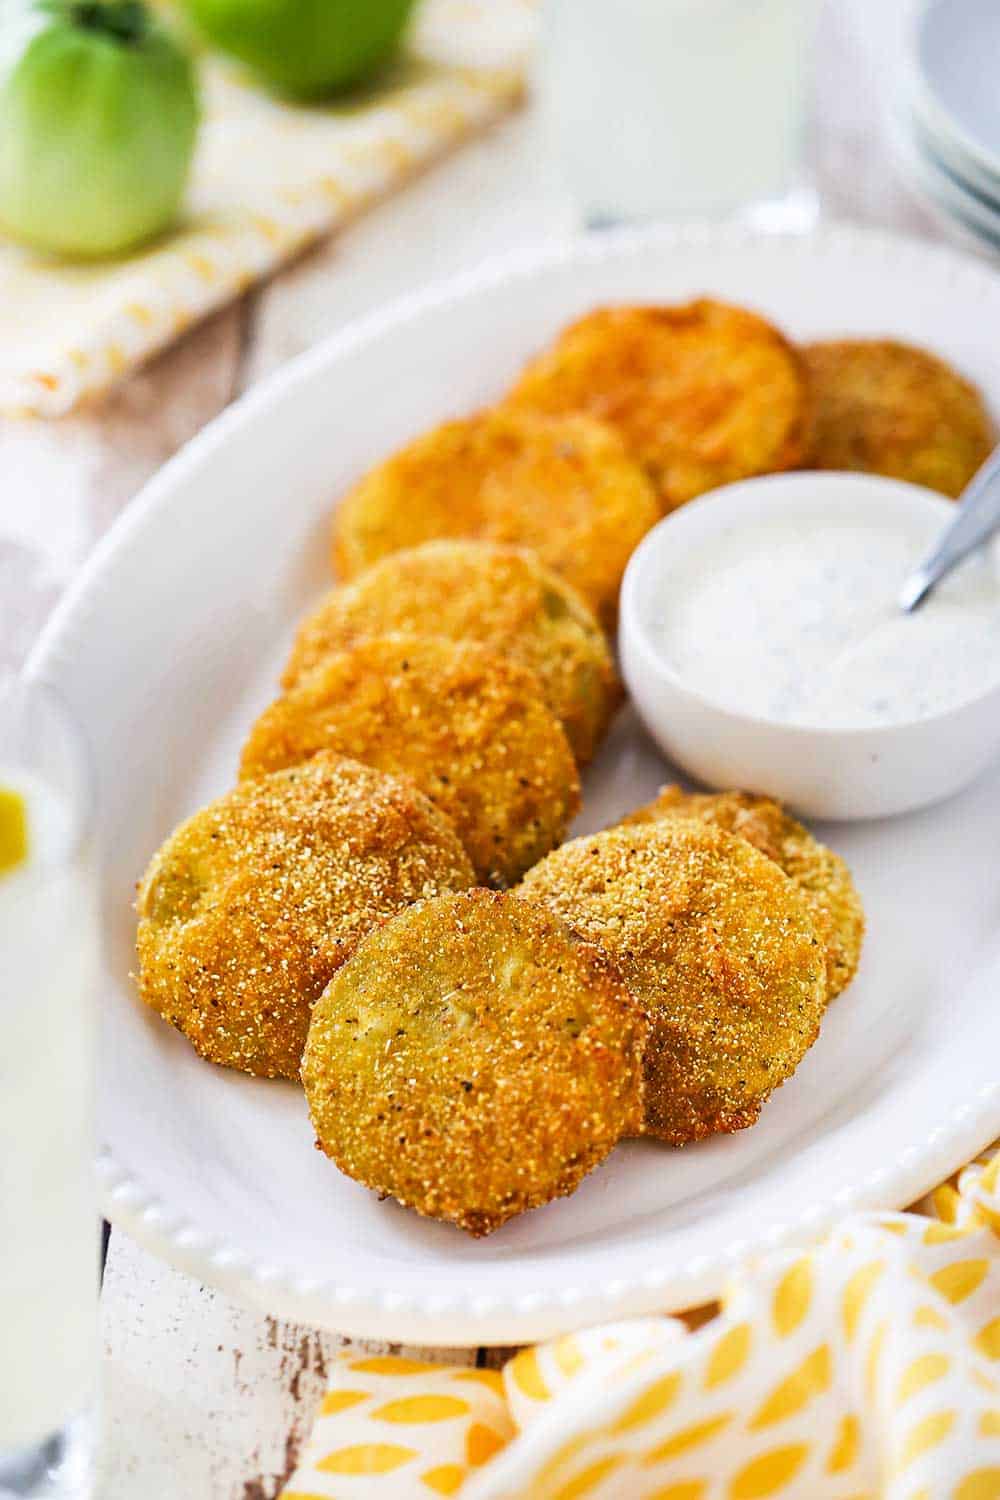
(679, 109)
(49, 1222)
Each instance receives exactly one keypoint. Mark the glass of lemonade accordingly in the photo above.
(679, 109)
(49, 1222)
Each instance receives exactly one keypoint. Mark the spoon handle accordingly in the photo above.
(977, 517)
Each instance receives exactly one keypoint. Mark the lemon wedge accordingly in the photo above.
(13, 829)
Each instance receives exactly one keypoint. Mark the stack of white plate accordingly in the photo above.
(946, 121)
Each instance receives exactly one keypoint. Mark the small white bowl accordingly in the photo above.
(823, 772)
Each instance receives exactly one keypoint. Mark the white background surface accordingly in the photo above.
(204, 1398)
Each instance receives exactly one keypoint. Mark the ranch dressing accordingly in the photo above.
(796, 621)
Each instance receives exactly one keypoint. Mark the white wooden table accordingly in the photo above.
(203, 1397)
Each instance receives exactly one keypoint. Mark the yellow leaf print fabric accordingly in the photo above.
(867, 1368)
(403, 1428)
(68, 331)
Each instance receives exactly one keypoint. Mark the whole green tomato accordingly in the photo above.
(303, 48)
(98, 119)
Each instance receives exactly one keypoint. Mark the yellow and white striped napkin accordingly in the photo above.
(269, 177)
(867, 1368)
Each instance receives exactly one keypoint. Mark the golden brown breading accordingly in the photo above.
(469, 728)
(717, 944)
(821, 876)
(501, 597)
(474, 1059)
(702, 394)
(566, 488)
(251, 905)
(888, 408)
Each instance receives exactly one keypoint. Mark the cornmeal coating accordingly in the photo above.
(889, 408)
(469, 728)
(251, 905)
(702, 394)
(474, 1059)
(564, 487)
(822, 876)
(717, 944)
(502, 597)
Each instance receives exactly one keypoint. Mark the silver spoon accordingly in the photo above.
(978, 516)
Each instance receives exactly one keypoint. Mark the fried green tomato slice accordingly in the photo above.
(888, 408)
(474, 1059)
(502, 597)
(564, 487)
(717, 944)
(252, 904)
(470, 729)
(702, 394)
(822, 876)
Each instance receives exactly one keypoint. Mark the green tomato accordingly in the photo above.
(304, 48)
(98, 119)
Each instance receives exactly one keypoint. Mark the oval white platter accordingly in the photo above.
(172, 640)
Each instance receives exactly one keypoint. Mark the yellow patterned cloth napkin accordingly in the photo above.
(867, 1368)
(268, 179)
